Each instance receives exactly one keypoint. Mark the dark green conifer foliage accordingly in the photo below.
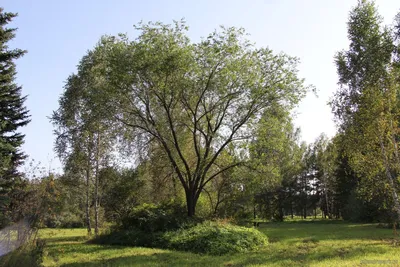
(13, 115)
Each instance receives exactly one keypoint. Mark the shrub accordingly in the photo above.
(151, 218)
(215, 238)
(131, 237)
(167, 226)
(144, 225)
(63, 220)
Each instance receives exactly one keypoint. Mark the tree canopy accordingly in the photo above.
(195, 100)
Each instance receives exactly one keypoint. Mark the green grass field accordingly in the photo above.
(291, 244)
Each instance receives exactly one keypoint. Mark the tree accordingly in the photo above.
(196, 100)
(123, 190)
(325, 166)
(13, 116)
(277, 152)
(345, 179)
(83, 139)
(366, 104)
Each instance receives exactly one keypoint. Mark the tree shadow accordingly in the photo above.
(66, 239)
(293, 232)
(290, 245)
(297, 256)
(156, 259)
(306, 256)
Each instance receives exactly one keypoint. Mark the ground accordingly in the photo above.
(291, 244)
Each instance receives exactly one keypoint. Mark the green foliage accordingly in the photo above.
(215, 238)
(366, 104)
(209, 237)
(151, 218)
(13, 115)
(281, 156)
(361, 209)
(64, 220)
(145, 224)
(122, 191)
(130, 237)
(192, 101)
(167, 226)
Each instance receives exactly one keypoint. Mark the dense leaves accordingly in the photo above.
(151, 218)
(366, 104)
(216, 238)
(209, 237)
(195, 101)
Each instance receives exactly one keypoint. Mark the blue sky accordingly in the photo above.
(58, 33)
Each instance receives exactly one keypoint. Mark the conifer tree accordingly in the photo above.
(13, 115)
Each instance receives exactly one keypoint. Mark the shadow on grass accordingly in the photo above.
(305, 255)
(66, 239)
(293, 232)
(81, 248)
(311, 221)
(295, 256)
(156, 259)
(291, 244)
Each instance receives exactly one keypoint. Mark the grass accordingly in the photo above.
(291, 244)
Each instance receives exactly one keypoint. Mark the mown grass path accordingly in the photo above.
(291, 244)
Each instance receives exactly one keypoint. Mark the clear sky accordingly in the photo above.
(58, 33)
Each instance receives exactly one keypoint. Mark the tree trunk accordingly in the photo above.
(291, 209)
(191, 201)
(216, 209)
(332, 207)
(89, 228)
(327, 204)
(281, 214)
(305, 206)
(174, 186)
(305, 197)
(255, 223)
(96, 189)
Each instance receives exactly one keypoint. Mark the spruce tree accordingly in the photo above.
(13, 115)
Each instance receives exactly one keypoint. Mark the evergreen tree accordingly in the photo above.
(13, 115)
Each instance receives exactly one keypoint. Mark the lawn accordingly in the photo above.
(291, 244)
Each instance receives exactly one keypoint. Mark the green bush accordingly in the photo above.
(167, 226)
(215, 238)
(152, 218)
(144, 225)
(63, 220)
(131, 237)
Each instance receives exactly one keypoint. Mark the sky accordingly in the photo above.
(57, 34)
